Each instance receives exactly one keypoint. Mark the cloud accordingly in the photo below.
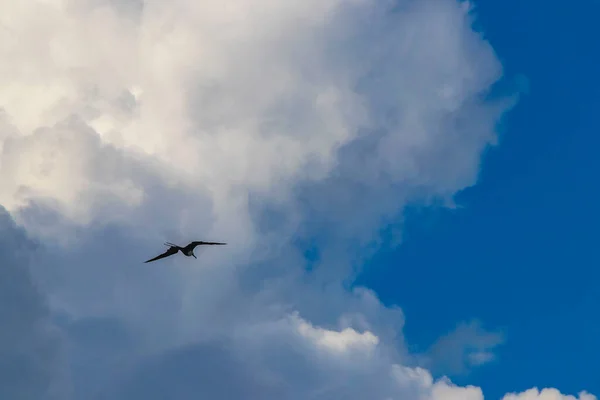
(466, 347)
(265, 124)
(547, 394)
(259, 364)
(31, 349)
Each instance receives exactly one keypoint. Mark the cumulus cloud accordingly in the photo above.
(269, 125)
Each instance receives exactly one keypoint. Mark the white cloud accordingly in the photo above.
(547, 394)
(339, 342)
(128, 123)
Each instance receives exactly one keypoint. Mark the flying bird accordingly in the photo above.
(187, 250)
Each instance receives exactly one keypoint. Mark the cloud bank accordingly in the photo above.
(270, 125)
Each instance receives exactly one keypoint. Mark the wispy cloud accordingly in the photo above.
(466, 347)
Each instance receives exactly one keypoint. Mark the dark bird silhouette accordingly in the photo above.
(187, 250)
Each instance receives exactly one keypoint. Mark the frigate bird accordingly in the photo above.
(187, 250)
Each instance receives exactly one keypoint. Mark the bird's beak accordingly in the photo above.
(194, 256)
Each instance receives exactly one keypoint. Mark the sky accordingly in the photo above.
(405, 188)
(519, 254)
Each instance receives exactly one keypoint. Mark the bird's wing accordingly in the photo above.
(169, 252)
(194, 244)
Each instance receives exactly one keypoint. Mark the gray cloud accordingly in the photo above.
(32, 362)
(466, 347)
(199, 371)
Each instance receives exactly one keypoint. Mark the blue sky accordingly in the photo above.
(521, 252)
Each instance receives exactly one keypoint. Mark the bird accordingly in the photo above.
(187, 250)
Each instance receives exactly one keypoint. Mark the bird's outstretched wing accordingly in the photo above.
(169, 252)
(194, 244)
